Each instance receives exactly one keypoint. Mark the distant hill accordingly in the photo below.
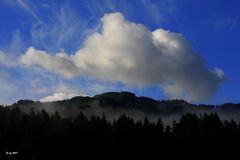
(114, 104)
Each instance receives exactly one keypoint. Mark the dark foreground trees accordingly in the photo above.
(43, 136)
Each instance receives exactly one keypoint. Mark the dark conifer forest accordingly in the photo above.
(42, 135)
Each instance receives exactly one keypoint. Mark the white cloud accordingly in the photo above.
(219, 73)
(56, 97)
(58, 63)
(130, 53)
(62, 92)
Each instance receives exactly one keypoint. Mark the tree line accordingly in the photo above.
(39, 135)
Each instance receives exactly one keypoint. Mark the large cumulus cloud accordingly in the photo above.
(130, 53)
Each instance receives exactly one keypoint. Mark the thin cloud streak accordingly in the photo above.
(28, 9)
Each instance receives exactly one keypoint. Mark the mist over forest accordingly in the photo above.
(115, 104)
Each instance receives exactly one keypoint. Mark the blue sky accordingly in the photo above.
(209, 28)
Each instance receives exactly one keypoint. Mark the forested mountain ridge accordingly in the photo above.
(114, 104)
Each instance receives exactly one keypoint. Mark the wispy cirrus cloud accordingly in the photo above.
(26, 5)
(7, 87)
(10, 51)
(6, 60)
(64, 30)
(221, 23)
